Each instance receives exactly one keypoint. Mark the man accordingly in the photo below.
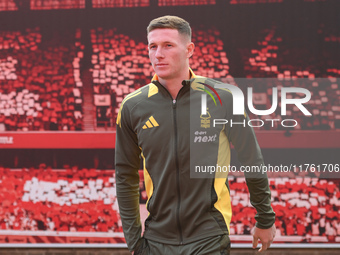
(186, 215)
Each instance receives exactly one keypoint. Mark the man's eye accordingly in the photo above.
(169, 45)
(152, 47)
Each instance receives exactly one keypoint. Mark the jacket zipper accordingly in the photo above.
(177, 172)
(174, 101)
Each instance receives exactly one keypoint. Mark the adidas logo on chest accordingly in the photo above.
(150, 123)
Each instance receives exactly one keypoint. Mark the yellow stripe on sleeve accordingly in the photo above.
(119, 116)
(223, 203)
(147, 180)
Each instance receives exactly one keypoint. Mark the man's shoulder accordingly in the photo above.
(133, 99)
(138, 95)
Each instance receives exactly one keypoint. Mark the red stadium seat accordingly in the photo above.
(41, 85)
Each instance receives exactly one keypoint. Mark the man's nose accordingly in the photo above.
(159, 53)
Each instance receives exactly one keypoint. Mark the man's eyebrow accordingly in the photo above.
(161, 42)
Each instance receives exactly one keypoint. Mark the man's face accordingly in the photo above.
(169, 52)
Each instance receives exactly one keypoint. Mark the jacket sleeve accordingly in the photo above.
(249, 154)
(127, 161)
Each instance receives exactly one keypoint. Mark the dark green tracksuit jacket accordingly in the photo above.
(174, 140)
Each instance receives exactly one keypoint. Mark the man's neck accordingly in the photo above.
(174, 85)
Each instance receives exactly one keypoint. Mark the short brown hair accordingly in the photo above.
(174, 22)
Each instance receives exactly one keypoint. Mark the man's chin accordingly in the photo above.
(163, 75)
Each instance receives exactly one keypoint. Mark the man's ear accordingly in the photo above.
(190, 49)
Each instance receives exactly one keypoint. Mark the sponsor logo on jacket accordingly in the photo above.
(203, 137)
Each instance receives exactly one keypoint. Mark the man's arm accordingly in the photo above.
(249, 154)
(260, 196)
(127, 163)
